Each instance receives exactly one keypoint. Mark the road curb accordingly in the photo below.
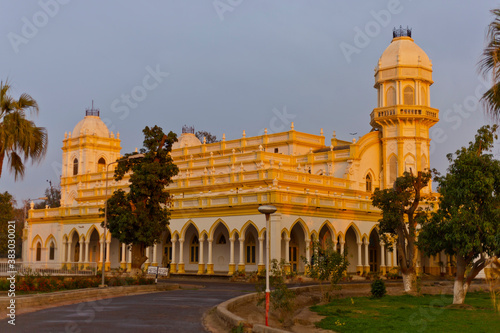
(223, 311)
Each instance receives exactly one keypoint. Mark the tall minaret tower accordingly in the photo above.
(403, 114)
(86, 151)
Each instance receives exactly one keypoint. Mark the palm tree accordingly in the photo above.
(490, 62)
(20, 139)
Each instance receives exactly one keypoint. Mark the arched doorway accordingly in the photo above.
(75, 244)
(325, 237)
(251, 248)
(94, 247)
(221, 248)
(166, 257)
(297, 248)
(191, 249)
(351, 246)
(374, 251)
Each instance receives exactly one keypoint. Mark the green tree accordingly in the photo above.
(467, 223)
(53, 195)
(6, 215)
(207, 135)
(140, 216)
(490, 65)
(20, 139)
(401, 214)
(327, 265)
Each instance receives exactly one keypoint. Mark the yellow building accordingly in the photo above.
(321, 186)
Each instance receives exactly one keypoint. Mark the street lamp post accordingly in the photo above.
(267, 210)
(106, 213)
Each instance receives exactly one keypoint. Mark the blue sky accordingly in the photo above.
(231, 65)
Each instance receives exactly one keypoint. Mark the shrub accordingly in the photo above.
(4, 284)
(281, 298)
(378, 288)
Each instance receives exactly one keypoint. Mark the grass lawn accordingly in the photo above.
(428, 313)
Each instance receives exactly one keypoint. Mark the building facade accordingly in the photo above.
(321, 187)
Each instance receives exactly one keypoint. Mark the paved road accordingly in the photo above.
(171, 311)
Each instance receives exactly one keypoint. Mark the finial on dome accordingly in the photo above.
(244, 134)
(223, 136)
(187, 129)
(204, 140)
(92, 111)
(292, 126)
(321, 132)
(401, 32)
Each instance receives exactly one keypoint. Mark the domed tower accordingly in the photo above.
(88, 149)
(187, 138)
(403, 77)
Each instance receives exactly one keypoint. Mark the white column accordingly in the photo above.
(82, 248)
(335, 243)
(367, 262)
(308, 249)
(108, 253)
(68, 248)
(173, 251)
(147, 254)
(261, 251)
(181, 251)
(342, 242)
(210, 241)
(154, 254)
(124, 248)
(287, 249)
(87, 251)
(382, 254)
(231, 250)
(66, 251)
(101, 254)
(242, 250)
(129, 259)
(200, 250)
(360, 263)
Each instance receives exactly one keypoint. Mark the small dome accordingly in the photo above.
(186, 140)
(403, 52)
(93, 124)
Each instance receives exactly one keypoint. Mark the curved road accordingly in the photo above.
(169, 311)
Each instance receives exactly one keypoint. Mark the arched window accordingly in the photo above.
(101, 165)
(250, 247)
(368, 183)
(393, 170)
(38, 252)
(410, 164)
(221, 239)
(408, 95)
(423, 162)
(194, 250)
(75, 167)
(423, 96)
(390, 97)
(52, 251)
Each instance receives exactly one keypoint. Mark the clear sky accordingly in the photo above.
(232, 65)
